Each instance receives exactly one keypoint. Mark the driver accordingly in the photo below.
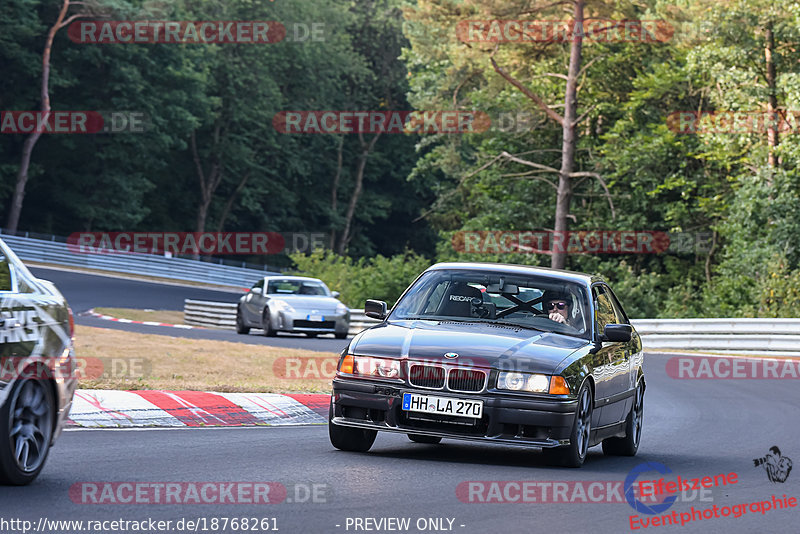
(558, 306)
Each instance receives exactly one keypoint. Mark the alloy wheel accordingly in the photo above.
(584, 422)
(31, 424)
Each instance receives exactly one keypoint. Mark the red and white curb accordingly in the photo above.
(98, 408)
(130, 321)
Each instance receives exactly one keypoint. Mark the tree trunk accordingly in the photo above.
(12, 222)
(335, 190)
(569, 142)
(366, 148)
(229, 203)
(208, 181)
(772, 103)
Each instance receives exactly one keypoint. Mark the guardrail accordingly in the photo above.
(751, 336)
(209, 314)
(223, 315)
(57, 253)
(776, 337)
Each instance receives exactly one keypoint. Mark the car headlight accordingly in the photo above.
(532, 383)
(281, 306)
(367, 366)
(341, 309)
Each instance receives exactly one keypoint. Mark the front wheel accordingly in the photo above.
(341, 336)
(240, 327)
(266, 324)
(26, 427)
(574, 454)
(628, 445)
(349, 439)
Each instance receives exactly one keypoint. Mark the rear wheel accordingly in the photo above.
(266, 324)
(349, 439)
(311, 334)
(341, 336)
(574, 454)
(26, 427)
(628, 445)
(240, 327)
(431, 440)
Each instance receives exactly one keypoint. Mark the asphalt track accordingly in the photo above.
(85, 291)
(695, 427)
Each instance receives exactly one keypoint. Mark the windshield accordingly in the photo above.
(535, 302)
(296, 287)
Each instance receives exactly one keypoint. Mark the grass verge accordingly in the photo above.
(159, 316)
(116, 359)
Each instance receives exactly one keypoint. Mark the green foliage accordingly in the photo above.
(227, 95)
(402, 54)
(379, 277)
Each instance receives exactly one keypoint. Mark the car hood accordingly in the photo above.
(477, 344)
(308, 302)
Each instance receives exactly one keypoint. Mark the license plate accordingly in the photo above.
(317, 318)
(413, 402)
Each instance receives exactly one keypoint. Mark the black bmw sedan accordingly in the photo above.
(496, 353)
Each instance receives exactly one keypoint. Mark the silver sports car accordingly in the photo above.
(37, 369)
(292, 304)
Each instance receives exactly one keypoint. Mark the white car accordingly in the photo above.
(292, 304)
(37, 369)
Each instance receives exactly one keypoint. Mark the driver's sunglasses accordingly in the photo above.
(560, 305)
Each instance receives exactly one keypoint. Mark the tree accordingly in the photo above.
(18, 196)
(523, 65)
(378, 41)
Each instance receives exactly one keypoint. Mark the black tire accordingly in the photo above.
(240, 327)
(341, 336)
(628, 445)
(349, 439)
(311, 334)
(574, 454)
(26, 428)
(266, 324)
(430, 440)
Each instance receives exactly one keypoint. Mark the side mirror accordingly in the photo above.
(375, 309)
(335, 294)
(617, 333)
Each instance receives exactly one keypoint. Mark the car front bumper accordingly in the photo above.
(510, 420)
(298, 321)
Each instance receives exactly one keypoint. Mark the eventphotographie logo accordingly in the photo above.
(776, 465)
